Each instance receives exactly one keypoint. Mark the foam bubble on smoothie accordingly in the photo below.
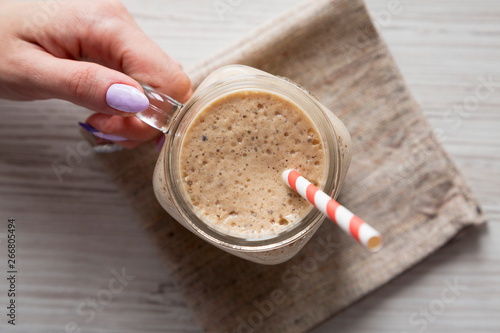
(232, 158)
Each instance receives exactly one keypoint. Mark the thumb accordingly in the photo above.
(90, 85)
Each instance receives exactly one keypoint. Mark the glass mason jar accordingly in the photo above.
(174, 119)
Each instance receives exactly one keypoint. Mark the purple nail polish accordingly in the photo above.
(89, 128)
(92, 130)
(109, 137)
(126, 98)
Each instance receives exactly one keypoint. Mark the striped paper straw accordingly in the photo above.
(350, 223)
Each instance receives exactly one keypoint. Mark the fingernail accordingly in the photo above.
(92, 130)
(107, 148)
(159, 142)
(126, 98)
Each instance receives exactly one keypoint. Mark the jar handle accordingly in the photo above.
(162, 109)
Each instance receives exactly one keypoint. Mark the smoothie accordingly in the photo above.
(232, 158)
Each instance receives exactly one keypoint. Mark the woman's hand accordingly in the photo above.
(90, 53)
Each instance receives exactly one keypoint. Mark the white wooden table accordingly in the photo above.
(75, 235)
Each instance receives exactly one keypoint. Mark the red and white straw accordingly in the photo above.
(346, 220)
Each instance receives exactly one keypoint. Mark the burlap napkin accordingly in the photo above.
(400, 180)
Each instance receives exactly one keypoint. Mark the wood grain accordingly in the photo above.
(72, 234)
